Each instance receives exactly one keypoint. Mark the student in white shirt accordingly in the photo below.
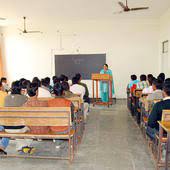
(43, 90)
(148, 90)
(76, 88)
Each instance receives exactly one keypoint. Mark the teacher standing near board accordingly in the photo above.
(104, 93)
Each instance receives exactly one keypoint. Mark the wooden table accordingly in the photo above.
(166, 126)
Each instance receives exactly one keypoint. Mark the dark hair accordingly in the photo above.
(158, 84)
(133, 77)
(149, 76)
(150, 80)
(63, 78)
(75, 80)
(56, 79)
(58, 89)
(0, 84)
(161, 76)
(65, 86)
(106, 65)
(31, 89)
(167, 81)
(16, 88)
(143, 77)
(78, 76)
(166, 89)
(47, 80)
(25, 84)
(37, 81)
(44, 83)
(3, 79)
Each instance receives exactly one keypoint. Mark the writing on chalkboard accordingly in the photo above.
(85, 64)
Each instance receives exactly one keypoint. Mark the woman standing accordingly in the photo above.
(104, 93)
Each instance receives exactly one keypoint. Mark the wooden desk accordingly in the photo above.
(166, 126)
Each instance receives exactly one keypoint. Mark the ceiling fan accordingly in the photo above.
(127, 9)
(25, 31)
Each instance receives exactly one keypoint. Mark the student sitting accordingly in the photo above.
(16, 99)
(43, 90)
(76, 88)
(5, 86)
(79, 90)
(156, 114)
(148, 90)
(133, 81)
(157, 90)
(86, 96)
(60, 101)
(142, 84)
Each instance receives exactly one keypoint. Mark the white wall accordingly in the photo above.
(131, 47)
(164, 36)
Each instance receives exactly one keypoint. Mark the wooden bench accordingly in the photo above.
(79, 115)
(161, 138)
(39, 116)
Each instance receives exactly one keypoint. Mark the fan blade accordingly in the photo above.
(2, 18)
(34, 32)
(122, 5)
(140, 8)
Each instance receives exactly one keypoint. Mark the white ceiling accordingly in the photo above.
(78, 9)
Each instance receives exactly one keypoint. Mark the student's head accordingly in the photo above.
(37, 81)
(16, 88)
(161, 77)
(47, 80)
(149, 76)
(166, 90)
(133, 77)
(143, 77)
(44, 83)
(157, 84)
(75, 80)
(63, 78)
(105, 67)
(65, 86)
(78, 76)
(56, 79)
(25, 84)
(3, 80)
(58, 89)
(32, 90)
(150, 80)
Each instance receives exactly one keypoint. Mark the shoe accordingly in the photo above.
(2, 152)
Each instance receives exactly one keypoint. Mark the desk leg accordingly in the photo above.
(167, 152)
(93, 91)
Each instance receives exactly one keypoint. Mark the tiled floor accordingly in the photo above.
(111, 141)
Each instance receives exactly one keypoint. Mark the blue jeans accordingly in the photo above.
(4, 141)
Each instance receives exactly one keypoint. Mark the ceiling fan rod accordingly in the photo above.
(24, 23)
(126, 3)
